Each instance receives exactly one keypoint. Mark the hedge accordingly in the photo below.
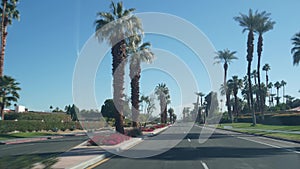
(38, 116)
(34, 125)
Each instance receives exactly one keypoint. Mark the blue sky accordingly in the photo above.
(42, 48)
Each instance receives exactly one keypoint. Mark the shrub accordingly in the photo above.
(111, 139)
(34, 125)
(133, 132)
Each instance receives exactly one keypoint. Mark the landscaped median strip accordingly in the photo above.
(83, 156)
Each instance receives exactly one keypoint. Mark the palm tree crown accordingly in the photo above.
(8, 92)
(119, 24)
(296, 49)
(225, 56)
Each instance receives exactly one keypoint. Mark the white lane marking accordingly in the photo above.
(259, 142)
(204, 165)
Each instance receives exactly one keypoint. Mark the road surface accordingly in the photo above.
(223, 150)
(25, 154)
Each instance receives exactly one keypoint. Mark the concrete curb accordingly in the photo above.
(111, 150)
(90, 162)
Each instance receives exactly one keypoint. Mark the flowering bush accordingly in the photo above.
(112, 139)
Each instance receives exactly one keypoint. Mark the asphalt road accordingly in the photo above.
(25, 154)
(223, 150)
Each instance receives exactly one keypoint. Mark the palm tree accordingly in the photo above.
(283, 83)
(171, 112)
(8, 92)
(272, 98)
(296, 49)
(269, 87)
(114, 27)
(201, 95)
(249, 23)
(266, 68)
(162, 92)
(278, 86)
(228, 91)
(265, 24)
(236, 84)
(226, 57)
(201, 98)
(8, 12)
(138, 53)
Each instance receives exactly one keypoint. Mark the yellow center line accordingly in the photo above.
(100, 162)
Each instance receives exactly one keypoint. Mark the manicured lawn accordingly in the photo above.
(23, 135)
(262, 126)
(247, 128)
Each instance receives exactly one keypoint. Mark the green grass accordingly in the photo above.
(23, 135)
(247, 128)
(262, 126)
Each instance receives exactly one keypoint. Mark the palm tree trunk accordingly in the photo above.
(3, 37)
(249, 59)
(135, 71)
(2, 111)
(236, 107)
(119, 56)
(277, 99)
(229, 106)
(260, 99)
(283, 93)
(162, 106)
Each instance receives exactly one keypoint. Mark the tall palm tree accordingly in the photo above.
(269, 87)
(9, 89)
(236, 84)
(296, 49)
(265, 24)
(171, 112)
(266, 68)
(226, 57)
(201, 98)
(228, 91)
(138, 53)
(114, 27)
(249, 23)
(162, 92)
(8, 11)
(278, 86)
(283, 83)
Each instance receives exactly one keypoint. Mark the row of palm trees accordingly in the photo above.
(114, 27)
(124, 32)
(260, 23)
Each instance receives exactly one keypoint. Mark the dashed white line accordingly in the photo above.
(204, 165)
